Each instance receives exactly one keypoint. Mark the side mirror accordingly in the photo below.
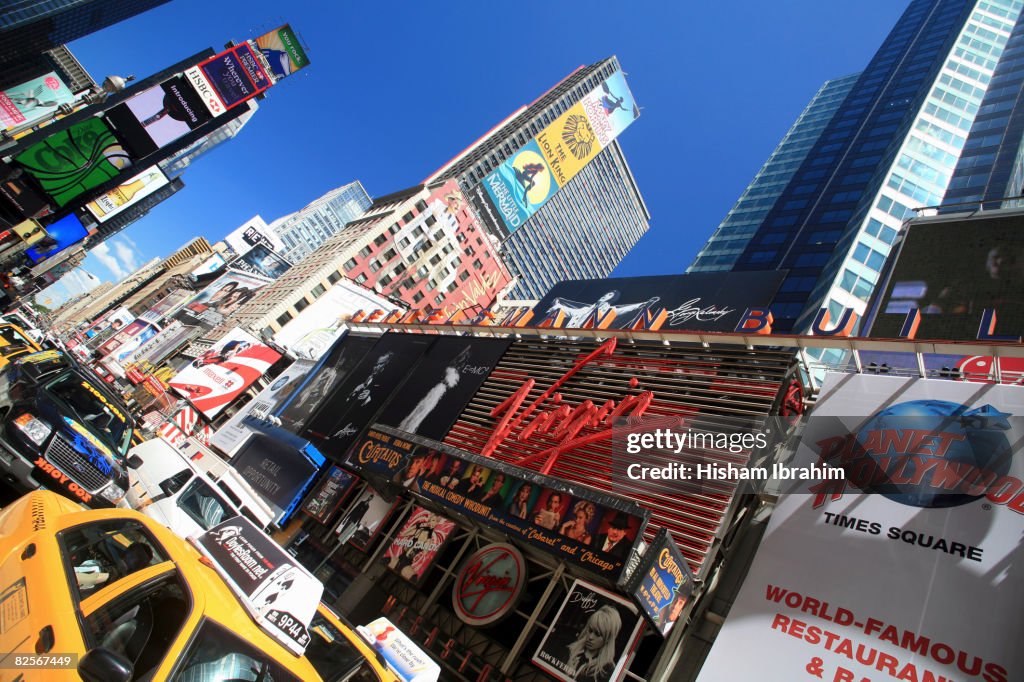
(134, 462)
(103, 665)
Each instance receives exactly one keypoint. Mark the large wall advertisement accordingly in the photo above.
(158, 116)
(906, 571)
(952, 272)
(220, 299)
(235, 74)
(698, 302)
(282, 51)
(525, 181)
(221, 374)
(261, 260)
(66, 232)
(33, 100)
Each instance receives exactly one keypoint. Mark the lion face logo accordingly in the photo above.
(578, 136)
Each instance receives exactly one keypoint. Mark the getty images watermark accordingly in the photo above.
(712, 454)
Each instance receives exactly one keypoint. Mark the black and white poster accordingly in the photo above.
(261, 260)
(700, 301)
(365, 519)
(591, 637)
(352, 406)
(343, 357)
(442, 384)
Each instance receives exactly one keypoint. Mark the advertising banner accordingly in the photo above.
(109, 204)
(526, 180)
(408, 660)
(662, 583)
(441, 385)
(365, 520)
(139, 333)
(207, 95)
(220, 298)
(167, 305)
(329, 494)
(221, 374)
(123, 335)
(275, 471)
(280, 594)
(71, 162)
(697, 302)
(162, 344)
(418, 543)
(594, 531)
(260, 260)
(235, 75)
(158, 116)
(66, 232)
(888, 574)
(591, 637)
(342, 417)
(209, 266)
(952, 272)
(312, 332)
(255, 231)
(283, 52)
(229, 437)
(33, 100)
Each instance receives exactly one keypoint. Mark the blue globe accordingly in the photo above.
(975, 437)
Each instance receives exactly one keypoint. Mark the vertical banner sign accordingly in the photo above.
(908, 569)
(526, 180)
(591, 638)
(662, 583)
(235, 75)
(332, 490)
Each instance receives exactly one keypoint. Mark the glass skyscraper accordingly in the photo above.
(305, 230)
(891, 146)
(589, 225)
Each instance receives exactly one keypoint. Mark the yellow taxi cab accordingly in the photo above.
(15, 342)
(111, 595)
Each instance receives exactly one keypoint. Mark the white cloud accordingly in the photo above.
(128, 254)
(109, 261)
(121, 256)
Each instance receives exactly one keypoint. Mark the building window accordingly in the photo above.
(361, 278)
(430, 220)
(374, 266)
(379, 241)
(284, 319)
(477, 264)
(417, 297)
(318, 291)
(464, 275)
(407, 217)
(389, 254)
(351, 263)
(365, 251)
(301, 305)
(334, 277)
(421, 205)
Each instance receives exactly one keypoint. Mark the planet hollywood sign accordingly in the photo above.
(489, 584)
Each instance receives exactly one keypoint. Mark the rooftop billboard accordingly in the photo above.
(530, 176)
(33, 100)
(109, 204)
(282, 51)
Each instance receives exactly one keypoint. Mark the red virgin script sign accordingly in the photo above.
(489, 584)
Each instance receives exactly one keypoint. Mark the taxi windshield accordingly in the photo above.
(218, 655)
(92, 408)
(12, 343)
(334, 657)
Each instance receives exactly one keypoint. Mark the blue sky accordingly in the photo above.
(396, 89)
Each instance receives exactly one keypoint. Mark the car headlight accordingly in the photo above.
(112, 493)
(34, 429)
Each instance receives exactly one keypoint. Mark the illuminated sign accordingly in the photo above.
(662, 583)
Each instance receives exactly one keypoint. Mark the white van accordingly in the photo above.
(190, 490)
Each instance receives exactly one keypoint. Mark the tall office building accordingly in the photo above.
(586, 227)
(304, 231)
(28, 27)
(890, 147)
(733, 234)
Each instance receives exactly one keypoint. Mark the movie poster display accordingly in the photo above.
(365, 520)
(442, 384)
(261, 260)
(33, 100)
(229, 437)
(221, 298)
(699, 301)
(591, 638)
(595, 531)
(221, 374)
(342, 417)
(662, 583)
(952, 272)
(915, 550)
(343, 357)
(418, 543)
(329, 494)
(71, 162)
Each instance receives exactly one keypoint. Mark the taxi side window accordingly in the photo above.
(142, 624)
(204, 506)
(173, 484)
(103, 552)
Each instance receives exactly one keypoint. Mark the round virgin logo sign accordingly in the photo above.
(489, 584)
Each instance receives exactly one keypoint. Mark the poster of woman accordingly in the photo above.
(591, 637)
(417, 544)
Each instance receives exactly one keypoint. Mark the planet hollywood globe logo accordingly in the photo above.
(929, 454)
